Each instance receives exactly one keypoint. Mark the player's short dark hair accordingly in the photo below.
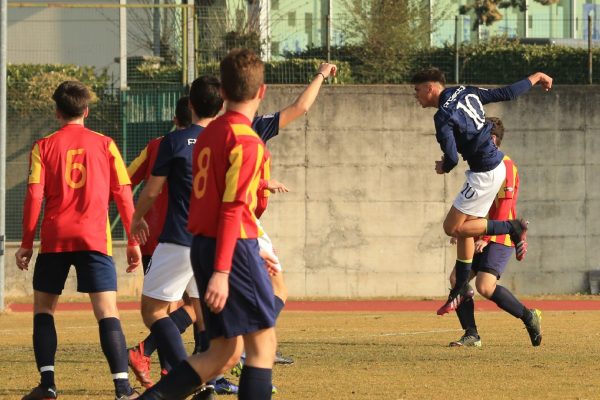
(429, 75)
(497, 129)
(71, 98)
(182, 112)
(205, 97)
(242, 74)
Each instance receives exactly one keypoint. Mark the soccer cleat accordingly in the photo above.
(519, 237)
(467, 341)
(41, 393)
(131, 396)
(206, 392)
(140, 365)
(237, 368)
(455, 299)
(534, 327)
(223, 386)
(281, 359)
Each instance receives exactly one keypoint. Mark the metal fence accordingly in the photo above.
(48, 43)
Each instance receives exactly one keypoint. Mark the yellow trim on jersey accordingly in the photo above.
(253, 187)
(108, 238)
(243, 130)
(233, 173)
(35, 169)
(139, 160)
(119, 165)
(267, 176)
(243, 234)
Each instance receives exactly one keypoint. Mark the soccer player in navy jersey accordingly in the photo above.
(461, 128)
(140, 170)
(170, 272)
(239, 311)
(491, 258)
(76, 171)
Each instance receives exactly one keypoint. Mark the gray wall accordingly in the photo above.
(365, 212)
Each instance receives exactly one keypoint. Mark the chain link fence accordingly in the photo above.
(50, 42)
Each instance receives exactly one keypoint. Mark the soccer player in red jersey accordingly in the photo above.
(76, 171)
(492, 254)
(237, 294)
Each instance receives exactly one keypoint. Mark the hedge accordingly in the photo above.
(498, 61)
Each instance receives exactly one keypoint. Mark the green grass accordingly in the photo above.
(353, 356)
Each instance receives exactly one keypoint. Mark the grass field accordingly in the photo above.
(353, 355)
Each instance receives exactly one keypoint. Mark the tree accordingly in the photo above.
(487, 11)
(382, 33)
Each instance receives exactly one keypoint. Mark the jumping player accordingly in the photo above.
(491, 257)
(237, 294)
(76, 171)
(461, 129)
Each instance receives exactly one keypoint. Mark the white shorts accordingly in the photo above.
(265, 244)
(170, 274)
(479, 191)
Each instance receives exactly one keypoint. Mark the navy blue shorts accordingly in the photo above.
(95, 272)
(250, 306)
(493, 259)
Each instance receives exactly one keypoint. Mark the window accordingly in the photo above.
(292, 18)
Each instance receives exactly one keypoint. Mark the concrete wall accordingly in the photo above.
(364, 217)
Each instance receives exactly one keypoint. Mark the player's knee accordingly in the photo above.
(485, 289)
(451, 229)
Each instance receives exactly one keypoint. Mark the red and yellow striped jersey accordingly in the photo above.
(76, 171)
(505, 204)
(140, 170)
(228, 162)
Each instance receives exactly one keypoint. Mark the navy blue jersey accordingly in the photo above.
(267, 126)
(461, 127)
(174, 160)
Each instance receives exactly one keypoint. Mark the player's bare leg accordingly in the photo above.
(458, 225)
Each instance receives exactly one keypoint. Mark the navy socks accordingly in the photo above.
(462, 270)
(169, 341)
(44, 347)
(508, 302)
(466, 316)
(182, 321)
(498, 227)
(114, 348)
(178, 384)
(255, 383)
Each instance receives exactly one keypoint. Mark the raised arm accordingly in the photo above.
(511, 92)
(306, 99)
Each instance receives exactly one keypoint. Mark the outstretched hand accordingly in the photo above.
(274, 186)
(544, 80)
(327, 70)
